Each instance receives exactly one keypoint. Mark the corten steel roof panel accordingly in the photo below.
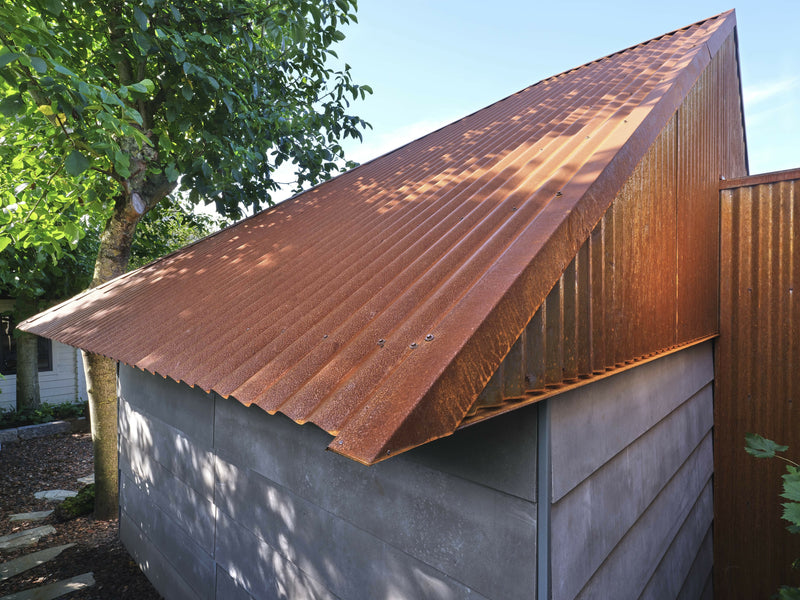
(379, 304)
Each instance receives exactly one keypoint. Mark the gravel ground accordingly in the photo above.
(56, 462)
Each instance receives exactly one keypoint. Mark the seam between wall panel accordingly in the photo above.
(543, 499)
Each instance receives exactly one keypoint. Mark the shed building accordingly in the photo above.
(501, 331)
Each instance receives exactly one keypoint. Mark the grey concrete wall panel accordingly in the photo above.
(155, 566)
(674, 568)
(148, 439)
(411, 515)
(228, 588)
(192, 512)
(355, 566)
(589, 522)
(626, 571)
(499, 453)
(189, 409)
(699, 582)
(181, 551)
(592, 424)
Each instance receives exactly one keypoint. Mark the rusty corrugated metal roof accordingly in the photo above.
(379, 304)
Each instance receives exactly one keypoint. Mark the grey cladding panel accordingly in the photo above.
(499, 453)
(414, 516)
(184, 554)
(592, 424)
(147, 440)
(625, 572)
(682, 554)
(153, 563)
(698, 583)
(190, 410)
(589, 522)
(191, 511)
(353, 564)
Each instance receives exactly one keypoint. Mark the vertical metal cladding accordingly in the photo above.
(646, 280)
(757, 381)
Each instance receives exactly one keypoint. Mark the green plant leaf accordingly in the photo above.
(141, 18)
(791, 513)
(76, 163)
(791, 484)
(172, 173)
(8, 58)
(54, 7)
(38, 64)
(4, 242)
(761, 447)
(12, 105)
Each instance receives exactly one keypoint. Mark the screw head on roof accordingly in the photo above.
(429, 337)
(381, 342)
(559, 194)
(324, 336)
(413, 345)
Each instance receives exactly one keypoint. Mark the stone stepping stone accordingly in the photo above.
(58, 495)
(26, 537)
(54, 590)
(31, 516)
(86, 480)
(29, 561)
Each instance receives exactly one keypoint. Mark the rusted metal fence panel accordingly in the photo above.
(757, 379)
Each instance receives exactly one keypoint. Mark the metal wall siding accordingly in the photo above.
(758, 374)
(652, 262)
(698, 213)
(320, 307)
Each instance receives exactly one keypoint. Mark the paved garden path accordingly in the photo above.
(31, 535)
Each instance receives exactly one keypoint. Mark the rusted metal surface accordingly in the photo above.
(320, 307)
(757, 383)
(645, 282)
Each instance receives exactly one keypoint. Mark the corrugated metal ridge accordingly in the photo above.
(287, 309)
(759, 178)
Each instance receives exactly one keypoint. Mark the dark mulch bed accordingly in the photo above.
(56, 462)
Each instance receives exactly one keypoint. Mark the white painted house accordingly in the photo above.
(60, 369)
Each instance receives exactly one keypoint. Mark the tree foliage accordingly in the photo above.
(110, 107)
(103, 99)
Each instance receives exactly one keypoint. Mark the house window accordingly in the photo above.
(8, 349)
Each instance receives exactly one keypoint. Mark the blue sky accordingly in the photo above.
(433, 62)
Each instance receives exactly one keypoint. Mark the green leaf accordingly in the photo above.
(791, 512)
(338, 35)
(141, 18)
(76, 163)
(791, 484)
(38, 64)
(8, 58)
(145, 86)
(63, 70)
(12, 105)
(187, 92)
(171, 172)
(4, 242)
(761, 447)
(54, 7)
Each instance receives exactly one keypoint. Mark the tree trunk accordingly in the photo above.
(140, 195)
(101, 379)
(27, 356)
(27, 370)
(101, 372)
